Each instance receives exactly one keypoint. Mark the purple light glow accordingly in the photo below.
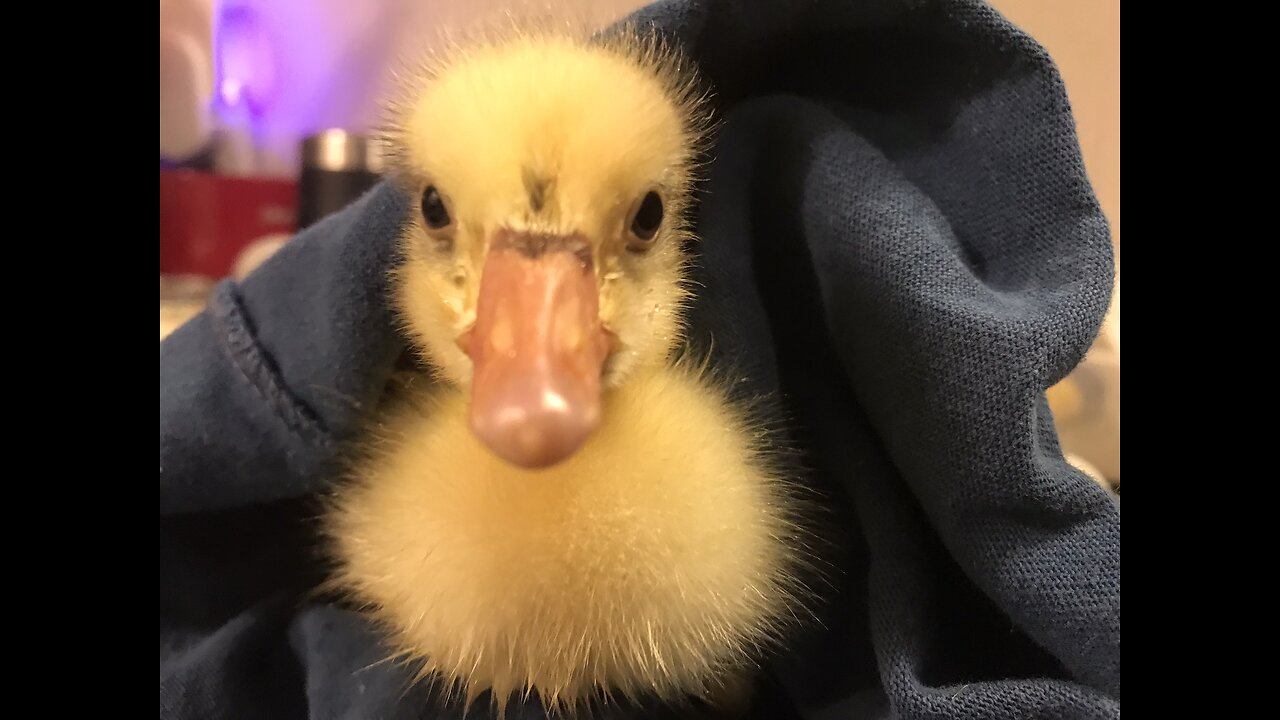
(284, 69)
(244, 61)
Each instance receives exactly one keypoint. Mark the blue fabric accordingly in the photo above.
(897, 239)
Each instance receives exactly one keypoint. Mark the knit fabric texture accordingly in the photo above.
(898, 242)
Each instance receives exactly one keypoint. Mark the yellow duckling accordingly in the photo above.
(566, 509)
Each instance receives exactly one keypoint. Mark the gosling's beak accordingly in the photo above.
(538, 348)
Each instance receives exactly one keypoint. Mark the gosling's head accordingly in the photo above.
(543, 259)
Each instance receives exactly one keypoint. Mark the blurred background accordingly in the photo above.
(264, 107)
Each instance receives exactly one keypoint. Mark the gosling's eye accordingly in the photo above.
(434, 212)
(647, 220)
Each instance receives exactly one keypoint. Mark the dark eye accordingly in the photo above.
(648, 217)
(433, 210)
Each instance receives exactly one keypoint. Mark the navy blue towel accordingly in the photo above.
(898, 240)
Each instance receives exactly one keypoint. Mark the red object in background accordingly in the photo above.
(206, 219)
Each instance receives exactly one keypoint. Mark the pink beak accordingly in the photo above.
(538, 348)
